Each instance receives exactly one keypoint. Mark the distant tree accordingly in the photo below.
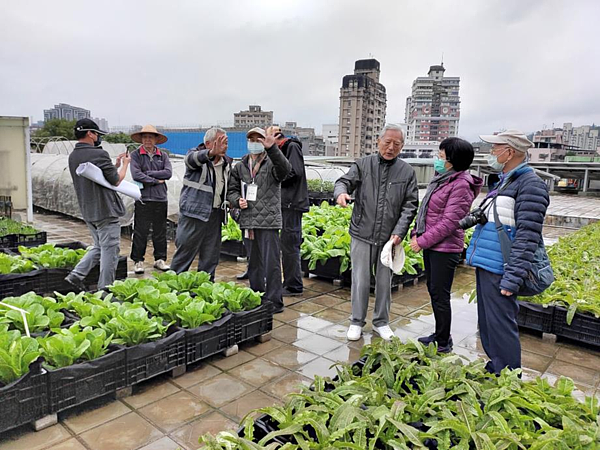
(57, 127)
(118, 138)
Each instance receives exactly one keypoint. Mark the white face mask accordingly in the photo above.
(255, 147)
(492, 161)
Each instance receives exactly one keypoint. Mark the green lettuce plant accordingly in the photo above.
(16, 354)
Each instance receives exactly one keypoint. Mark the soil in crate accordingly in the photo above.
(584, 328)
(148, 360)
(208, 340)
(77, 384)
(24, 400)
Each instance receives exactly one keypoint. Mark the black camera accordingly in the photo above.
(476, 216)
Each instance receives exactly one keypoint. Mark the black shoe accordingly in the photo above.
(426, 340)
(76, 284)
(243, 276)
(287, 293)
(445, 348)
(278, 309)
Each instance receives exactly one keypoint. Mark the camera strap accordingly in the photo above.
(505, 242)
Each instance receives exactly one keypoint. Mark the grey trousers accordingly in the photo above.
(107, 239)
(195, 237)
(364, 256)
(265, 264)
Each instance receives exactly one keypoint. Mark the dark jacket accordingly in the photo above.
(448, 204)
(96, 202)
(386, 196)
(265, 212)
(148, 170)
(521, 208)
(294, 189)
(197, 194)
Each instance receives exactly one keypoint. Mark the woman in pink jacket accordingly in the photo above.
(448, 199)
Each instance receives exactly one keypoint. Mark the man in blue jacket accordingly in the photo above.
(521, 201)
(203, 204)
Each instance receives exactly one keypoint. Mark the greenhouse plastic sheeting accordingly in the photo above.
(53, 187)
(66, 147)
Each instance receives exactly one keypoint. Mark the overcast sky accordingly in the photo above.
(522, 63)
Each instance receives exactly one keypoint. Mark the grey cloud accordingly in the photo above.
(521, 63)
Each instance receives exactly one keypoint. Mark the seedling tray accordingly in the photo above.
(584, 328)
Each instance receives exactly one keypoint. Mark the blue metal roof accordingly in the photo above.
(181, 142)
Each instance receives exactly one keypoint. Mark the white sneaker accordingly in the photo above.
(139, 267)
(385, 332)
(161, 265)
(354, 333)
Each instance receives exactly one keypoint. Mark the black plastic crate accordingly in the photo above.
(233, 248)
(535, 317)
(148, 360)
(74, 385)
(25, 400)
(56, 278)
(263, 425)
(12, 241)
(15, 284)
(584, 328)
(209, 339)
(331, 270)
(253, 323)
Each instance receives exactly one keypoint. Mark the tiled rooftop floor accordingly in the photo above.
(169, 413)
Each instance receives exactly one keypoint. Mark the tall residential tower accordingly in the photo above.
(362, 110)
(433, 109)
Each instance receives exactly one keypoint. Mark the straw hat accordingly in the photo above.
(137, 136)
(393, 256)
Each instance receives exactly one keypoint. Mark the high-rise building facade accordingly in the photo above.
(253, 117)
(68, 112)
(585, 137)
(362, 110)
(433, 109)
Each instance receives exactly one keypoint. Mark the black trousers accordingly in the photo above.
(497, 318)
(150, 214)
(291, 240)
(195, 237)
(439, 269)
(264, 265)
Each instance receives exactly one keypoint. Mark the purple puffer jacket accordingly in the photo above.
(448, 204)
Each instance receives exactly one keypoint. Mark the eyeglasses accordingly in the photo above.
(496, 150)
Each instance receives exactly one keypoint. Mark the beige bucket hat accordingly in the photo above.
(515, 138)
(137, 136)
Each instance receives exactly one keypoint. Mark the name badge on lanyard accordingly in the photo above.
(252, 189)
(252, 192)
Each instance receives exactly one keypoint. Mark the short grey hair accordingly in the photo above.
(212, 133)
(393, 127)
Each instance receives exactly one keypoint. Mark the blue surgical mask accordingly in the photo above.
(255, 147)
(439, 165)
(492, 161)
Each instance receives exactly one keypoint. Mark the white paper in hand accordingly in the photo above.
(93, 173)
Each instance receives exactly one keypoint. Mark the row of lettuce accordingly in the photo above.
(575, 259)
(46, 256)
(407, 396)
(72, 328)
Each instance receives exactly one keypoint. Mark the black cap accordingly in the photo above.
(88, 125)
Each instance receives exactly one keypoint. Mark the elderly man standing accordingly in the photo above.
(202, 204)
(151, 168)
(255, 188)
(387, 198)
(521, 199)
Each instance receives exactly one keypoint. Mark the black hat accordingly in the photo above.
(88, 125)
